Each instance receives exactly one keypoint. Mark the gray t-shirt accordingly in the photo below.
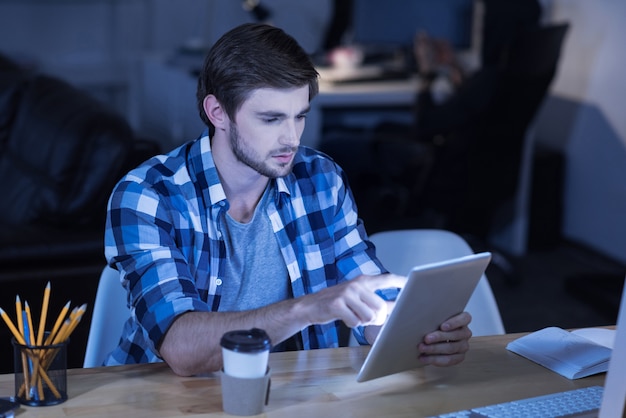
(255, 272)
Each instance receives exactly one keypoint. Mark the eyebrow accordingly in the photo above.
(277, 114)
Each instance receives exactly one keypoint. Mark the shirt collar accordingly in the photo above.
(204, 171)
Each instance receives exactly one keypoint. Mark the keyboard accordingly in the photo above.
(584, 402)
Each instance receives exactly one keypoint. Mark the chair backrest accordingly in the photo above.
(497, 135)
(401, 250)
(110, 312)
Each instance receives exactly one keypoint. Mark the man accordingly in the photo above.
(243, 228)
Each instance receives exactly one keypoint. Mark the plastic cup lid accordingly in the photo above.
(247, 341)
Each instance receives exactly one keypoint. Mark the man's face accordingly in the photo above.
(267, 130)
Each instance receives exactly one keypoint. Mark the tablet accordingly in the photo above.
(433, 293)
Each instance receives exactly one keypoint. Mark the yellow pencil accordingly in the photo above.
(44, 314)
(75, 318)
(51, 385)
(66, 330)
(11, 326)
(58, 323)
(59, 337)
(20, 327)
(24, 388)
(79, 315)
(18, 313)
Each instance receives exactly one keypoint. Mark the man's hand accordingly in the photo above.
(191, 345)
(354, 301)
(447, 346)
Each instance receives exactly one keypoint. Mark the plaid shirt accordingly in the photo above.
(164, 234)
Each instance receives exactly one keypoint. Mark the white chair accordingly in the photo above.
(401, 250)
(110, 312)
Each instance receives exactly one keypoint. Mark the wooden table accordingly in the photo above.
(318, 383)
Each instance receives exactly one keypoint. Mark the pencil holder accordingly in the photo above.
(40, 373)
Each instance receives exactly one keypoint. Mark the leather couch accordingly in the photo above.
(61, 153)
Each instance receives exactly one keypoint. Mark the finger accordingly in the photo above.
(370, 308)
(457, 321)
(384, 281)
(439, 337)
(445, 353)
(384, 312)
(444, 347)
(442, 361)
(351, 320)
(353, 317)
(436, 337)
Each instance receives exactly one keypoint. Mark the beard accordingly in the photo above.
(262, 165)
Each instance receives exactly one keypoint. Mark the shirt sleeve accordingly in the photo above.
(139, 240)
(360, 255)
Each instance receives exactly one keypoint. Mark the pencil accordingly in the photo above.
(51, 385)
(27, 362)
(64, 333)
(20, 327)
(18, 312)
(44, 314)
(30, 338)
(58, 323)
(58, 338)
(79, 315)
(11, 326)
(75, 318)
(41, 370)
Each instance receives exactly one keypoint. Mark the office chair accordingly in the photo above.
(110, 312)
(496, 138)
(467, 169)
(401, 250)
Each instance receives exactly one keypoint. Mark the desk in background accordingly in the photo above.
(359, 104)
(316, 383)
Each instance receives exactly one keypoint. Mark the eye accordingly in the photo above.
(270, 120)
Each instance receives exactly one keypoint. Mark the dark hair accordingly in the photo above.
(249, 57)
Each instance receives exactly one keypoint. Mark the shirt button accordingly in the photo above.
(218, 282)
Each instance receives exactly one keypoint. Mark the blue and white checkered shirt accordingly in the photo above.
(164, 234)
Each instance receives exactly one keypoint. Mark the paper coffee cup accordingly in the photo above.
(245, 353)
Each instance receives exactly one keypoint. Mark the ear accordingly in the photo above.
(215, 112)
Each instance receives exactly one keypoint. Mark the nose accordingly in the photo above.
(292, 133)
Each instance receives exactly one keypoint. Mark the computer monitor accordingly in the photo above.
(614, 397)
(395, 22)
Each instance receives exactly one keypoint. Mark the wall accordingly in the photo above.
(97, 44)
(93, 43)
(594, 137)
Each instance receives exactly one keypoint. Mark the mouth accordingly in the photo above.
(284, 157)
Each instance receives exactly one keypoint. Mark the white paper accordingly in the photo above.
(563, 352)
